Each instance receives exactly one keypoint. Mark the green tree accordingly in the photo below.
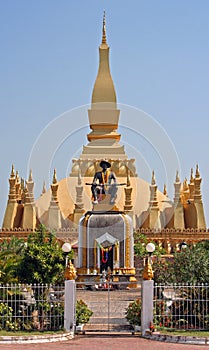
(140, 242)
(187, 266)
(11, 252)
(43, 260)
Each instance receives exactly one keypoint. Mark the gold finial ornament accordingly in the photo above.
(177, 176)
(30, 178)
(54, 188)
(70, 271)
(147, 273)
(54, 177)
(79, 177)
(197, 171)
(104, 38)
(185, 185)
(44, 188)
(153, 178)
(13, 171)
(165, 190)
(191, 176)
(128, 182)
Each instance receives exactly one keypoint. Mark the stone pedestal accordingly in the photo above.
(106, 243)
(147, 305)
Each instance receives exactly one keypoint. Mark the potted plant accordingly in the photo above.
(83, 314)
(133, 314)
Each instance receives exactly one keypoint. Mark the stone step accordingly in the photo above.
(107, 327)
(116, 301)
(105, 320)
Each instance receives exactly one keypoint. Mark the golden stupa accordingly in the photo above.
(64, 204)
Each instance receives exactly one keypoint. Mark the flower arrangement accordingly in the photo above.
(133, 313)
(83, 313)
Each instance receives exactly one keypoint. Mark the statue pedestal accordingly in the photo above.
(106, 245)
(104, 205)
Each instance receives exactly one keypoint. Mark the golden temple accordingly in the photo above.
(167, 222)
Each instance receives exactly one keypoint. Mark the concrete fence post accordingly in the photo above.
(70, 305)
(147, 305)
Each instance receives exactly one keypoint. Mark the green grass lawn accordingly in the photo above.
(184, 332)
(28, 333)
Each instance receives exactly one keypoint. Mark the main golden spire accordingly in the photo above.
(104, 90)
(103, 114)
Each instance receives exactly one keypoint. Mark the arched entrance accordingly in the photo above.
(106, 251)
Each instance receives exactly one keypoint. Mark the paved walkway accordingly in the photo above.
(95, 342)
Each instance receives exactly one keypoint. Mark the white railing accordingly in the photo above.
(181, 306)
(31, 307)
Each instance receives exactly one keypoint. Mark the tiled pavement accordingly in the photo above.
(97, 342)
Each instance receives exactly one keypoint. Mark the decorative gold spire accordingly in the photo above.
(104, 39)
(12, 171)
(23, 190)
(104, 90)
(30, 178)
(54, 189)
(11, 209)
(79, 205)
(128, 183)
(177, 186)
(128, 191)
(44, 188)
(177, 176)
(54, 177)
(185, 184)
(165, 190)
(79, 193)
(18, 187)
(17, 176)
(198, 200)
(22, 184)
(153, 192)
(12, 182)
(54, 214)
(29, 196)
(153, 178)
(191, 186)
(79, 177)
(191, 176)
(197, 172)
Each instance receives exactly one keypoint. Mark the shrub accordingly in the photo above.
(83, 313)
(133, 313)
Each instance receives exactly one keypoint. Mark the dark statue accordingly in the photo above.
(104, 182)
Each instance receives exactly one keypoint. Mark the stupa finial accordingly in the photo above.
(30, 178)
(12, 171)
(153, 178)
(177, 176)
(191, 176)
(54, 181)
(79, 177)
(17, 177)
(197, 171)
(165, 190)
(44, 188)
(104, 37)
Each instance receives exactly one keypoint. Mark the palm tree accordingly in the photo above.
(10, 256)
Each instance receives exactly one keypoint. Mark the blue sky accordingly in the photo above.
(49, 59)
